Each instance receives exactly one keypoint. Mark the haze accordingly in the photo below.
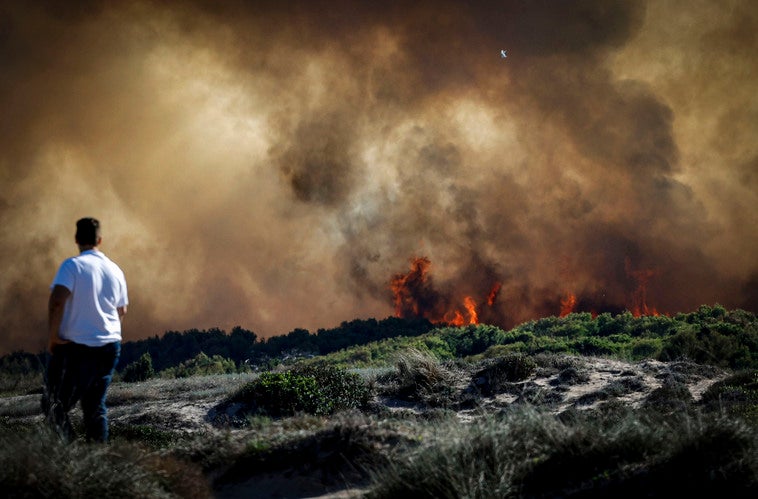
(274, 164)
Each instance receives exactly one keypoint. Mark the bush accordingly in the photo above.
(418, 376)
(736, 395)
(571, 376)
(471, 340)
(280, 394)
(312, 389)
(201, 365)
(711, 335)
(382, 353)
(528, 454)
(21, 372)
(38, 464)
(593, 345)
(500, 372)
(648, 348)
(340, 390)
(139, 370)
(671, 397)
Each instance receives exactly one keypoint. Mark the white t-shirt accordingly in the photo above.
(98, 288)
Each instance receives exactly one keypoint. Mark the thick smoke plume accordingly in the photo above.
(275, 164)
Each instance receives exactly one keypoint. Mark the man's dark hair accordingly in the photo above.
(87, 231)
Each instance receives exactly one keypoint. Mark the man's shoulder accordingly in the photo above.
(111, 264)
(90, 259)
(70, 262)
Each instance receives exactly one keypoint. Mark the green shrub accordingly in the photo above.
(382, 353)
(471, 340)
(736, 395)
(712, 335)
(201, 365)
(648, 348)
(436, 345)
(500, 350)
(280, 394)
(593, 345)
(313, 389)
(139, 370)
(340, 389)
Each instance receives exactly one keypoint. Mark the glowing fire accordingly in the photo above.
(415, 296)
(406, 288)
(639, 296)
(454, 318)
(492, 296)
(461, 318)
(568, 303)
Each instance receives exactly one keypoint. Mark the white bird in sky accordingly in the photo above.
(504, 53)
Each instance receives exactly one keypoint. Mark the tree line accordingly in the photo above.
(710, 334)
(245, 347)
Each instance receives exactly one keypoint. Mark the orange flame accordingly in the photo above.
(492, 296)
(406, 286)
(454, 318)
(473, 317)
(567, 304)
(639, 296)
(414, 296)
(459, 318)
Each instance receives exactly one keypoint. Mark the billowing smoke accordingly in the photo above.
(274, 165)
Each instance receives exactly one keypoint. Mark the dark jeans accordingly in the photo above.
(77, 372)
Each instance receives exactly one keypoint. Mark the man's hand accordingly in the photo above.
(55, 308)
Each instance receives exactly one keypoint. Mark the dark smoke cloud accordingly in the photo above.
(318, 161)
(273, 165)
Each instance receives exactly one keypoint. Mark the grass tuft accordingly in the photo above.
(530, 454)
(36, 463)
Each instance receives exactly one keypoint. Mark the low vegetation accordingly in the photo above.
(578, 406)
(34, 462)
(316, 389)
(530, 454)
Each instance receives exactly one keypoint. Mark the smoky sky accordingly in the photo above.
(274, 166)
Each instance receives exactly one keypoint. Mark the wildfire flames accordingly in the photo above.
(639, 296)
(568, 303)
(493, 293)
(409, 289)
(415, 295)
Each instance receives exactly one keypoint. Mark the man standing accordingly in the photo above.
(87, 303)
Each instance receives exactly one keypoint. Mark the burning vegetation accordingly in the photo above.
(415, 295)
(537, 175)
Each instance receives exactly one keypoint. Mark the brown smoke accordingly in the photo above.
(274, 166)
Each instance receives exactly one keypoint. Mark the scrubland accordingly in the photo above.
(578, 406)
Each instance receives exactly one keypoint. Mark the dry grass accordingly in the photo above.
(35, 463)
(424, 411)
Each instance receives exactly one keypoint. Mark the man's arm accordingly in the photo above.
(55, 308)
(121, 312)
